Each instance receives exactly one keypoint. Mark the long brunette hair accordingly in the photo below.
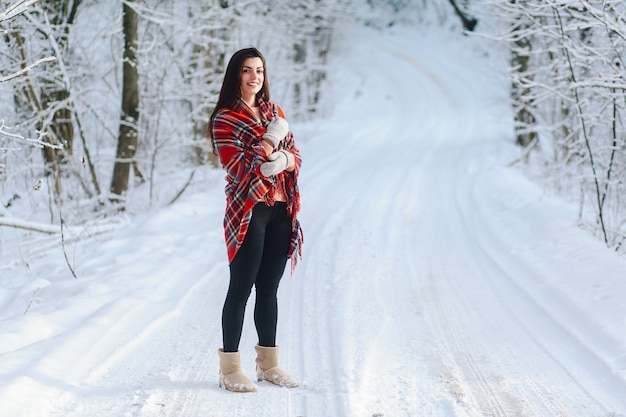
(231, 86)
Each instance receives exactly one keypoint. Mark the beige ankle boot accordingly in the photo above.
(267, 368)
(231, 377)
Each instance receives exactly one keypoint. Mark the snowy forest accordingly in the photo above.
(568, 93)
(103, 101)
(104, 104)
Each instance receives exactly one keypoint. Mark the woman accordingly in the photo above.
(252, 140)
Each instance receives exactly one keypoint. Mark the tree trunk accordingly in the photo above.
(524, 118)
(61, 128)
(127, 139)
(62, 14)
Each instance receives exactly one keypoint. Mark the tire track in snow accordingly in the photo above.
(193, 369)
(511, 376)
(355, 235)
(496, 377)
(575, 399)
(315, 324)
(475, 371)
(133, 376)
(461, 364)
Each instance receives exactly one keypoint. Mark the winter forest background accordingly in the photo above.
(104, 104)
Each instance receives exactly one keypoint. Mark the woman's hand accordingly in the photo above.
(277, 129)
(277, 162)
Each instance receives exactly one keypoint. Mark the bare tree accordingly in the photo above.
(521, 80)
(127, 140)
(44, 102)
(170, 59)
(568, 81)
(59, 16)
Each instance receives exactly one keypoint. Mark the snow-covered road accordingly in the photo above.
(436, 280)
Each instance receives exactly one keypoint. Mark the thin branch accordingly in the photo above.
(33, 227)
(37, 142)
(26, 69)
(67, 261)
(583, 126)
(17, 8)
(183, 189)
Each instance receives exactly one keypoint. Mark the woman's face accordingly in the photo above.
(252, 77)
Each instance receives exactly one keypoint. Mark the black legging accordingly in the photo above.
(260, 261)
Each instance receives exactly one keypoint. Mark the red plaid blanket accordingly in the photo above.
(237, 134)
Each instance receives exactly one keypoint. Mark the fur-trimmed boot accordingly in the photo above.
(231, 377)
(267, 368)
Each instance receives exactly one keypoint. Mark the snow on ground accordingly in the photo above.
(436, 281)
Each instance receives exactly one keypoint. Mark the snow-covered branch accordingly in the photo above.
(16, 9)
(32, 226)
(26, 69)
(39, 141)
